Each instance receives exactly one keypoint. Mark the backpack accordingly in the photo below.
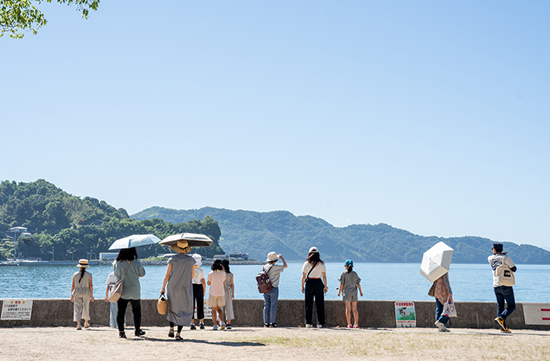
(264, 282)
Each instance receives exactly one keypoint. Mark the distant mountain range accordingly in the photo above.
(258, 233)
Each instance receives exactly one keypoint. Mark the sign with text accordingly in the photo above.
(536, 313)
(16, 310)
(404, 314)
(207, 311)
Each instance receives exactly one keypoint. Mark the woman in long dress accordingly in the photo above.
(179, 295)
(229, 289)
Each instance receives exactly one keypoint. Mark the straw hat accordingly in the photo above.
(83, 263)
(181, 247)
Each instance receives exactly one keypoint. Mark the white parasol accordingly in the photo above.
(135, 240)
(436, 261)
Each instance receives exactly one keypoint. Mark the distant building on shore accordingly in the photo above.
(233, 256)
(107, 256)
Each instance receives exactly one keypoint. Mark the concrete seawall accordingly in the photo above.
(59, 312)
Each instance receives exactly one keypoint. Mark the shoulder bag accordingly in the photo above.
(116, 291)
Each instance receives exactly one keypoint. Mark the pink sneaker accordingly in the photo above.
(350, 326)
(356, 326)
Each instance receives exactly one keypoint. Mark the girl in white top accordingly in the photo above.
(216, 293)
(313, 287)
(82, 292)
(199, 289)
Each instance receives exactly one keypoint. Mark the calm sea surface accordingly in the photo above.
(379, 281)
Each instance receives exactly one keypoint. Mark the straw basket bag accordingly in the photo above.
(162, 305)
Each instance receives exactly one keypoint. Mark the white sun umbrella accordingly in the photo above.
(193, 240)
(135, 240)
(436, 261)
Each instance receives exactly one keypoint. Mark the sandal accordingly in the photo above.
(78, 328)
(87, 325)
(171, 333)
(178, 338)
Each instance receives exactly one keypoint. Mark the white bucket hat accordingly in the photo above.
(272, 256)
(198, 259)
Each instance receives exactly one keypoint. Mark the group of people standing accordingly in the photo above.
(185, 285)
(314, 287)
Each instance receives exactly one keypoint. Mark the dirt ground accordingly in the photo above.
(251, 343)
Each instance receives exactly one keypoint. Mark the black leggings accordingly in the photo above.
(315, 289)
(136, 310)
(172, 324)
(198, 300)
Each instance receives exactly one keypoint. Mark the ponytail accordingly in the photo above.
(82, 271)
(350, 269)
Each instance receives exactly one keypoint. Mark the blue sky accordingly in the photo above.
(429, 116)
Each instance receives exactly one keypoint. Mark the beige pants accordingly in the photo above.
(81, 307)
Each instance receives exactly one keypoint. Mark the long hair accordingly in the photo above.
(225, 264)
(217, 265)
(82, 271)
(313, 257)
(127, 254)
(350, 269)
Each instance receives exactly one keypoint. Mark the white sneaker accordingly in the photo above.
(215, 327)
(222, 326)
(309, 326)
(441, 327)
(319, 326)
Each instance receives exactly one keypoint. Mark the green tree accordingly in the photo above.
(17, 16)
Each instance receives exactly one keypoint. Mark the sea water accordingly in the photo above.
(379, 281)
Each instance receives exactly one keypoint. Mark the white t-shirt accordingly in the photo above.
(111, 280)
(199, 275)
(274, 273)
(497, 260)
(317, 271)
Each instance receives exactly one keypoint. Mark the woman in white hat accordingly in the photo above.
(271, 298)
(82, 292)
(313, 287)
(199, 289)
(179, 275)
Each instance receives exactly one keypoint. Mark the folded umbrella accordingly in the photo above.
(436, 261)
(135, 240)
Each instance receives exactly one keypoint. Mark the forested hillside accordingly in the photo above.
(257, 233)
(70, 227)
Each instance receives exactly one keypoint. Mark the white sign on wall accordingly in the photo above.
(207, 312)
(405, 315)
(536, 313)
(16, 310)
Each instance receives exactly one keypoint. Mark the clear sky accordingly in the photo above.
(429, 116)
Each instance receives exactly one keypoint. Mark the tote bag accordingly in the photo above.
(116, 290)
